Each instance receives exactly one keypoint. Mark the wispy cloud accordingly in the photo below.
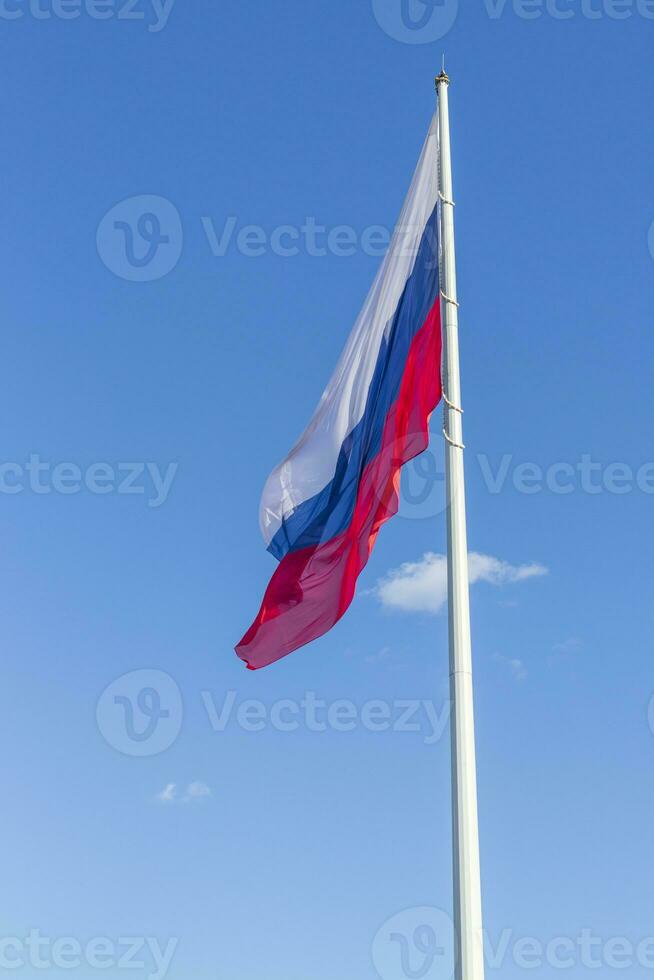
(513, 665)
(571, 645)
(382, 656)
(197, 791)
(194, 791)
(422, 586)
(168, 794)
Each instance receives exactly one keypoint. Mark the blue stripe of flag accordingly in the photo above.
(329, 512)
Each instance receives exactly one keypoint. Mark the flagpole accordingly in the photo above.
(467, 876)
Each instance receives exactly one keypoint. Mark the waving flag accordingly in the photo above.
(323, 506)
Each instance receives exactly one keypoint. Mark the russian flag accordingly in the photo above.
(323, 506)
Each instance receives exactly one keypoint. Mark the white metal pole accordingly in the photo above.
(467, 878)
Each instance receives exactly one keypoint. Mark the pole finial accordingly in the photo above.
(443, 77)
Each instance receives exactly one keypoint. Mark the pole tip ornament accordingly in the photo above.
(443, 77)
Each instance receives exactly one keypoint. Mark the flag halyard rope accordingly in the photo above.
(448, 299)
(455, 408)
(457, 445)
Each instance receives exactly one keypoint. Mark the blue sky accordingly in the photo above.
(281, 854)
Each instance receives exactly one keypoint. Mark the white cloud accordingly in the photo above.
(197, 791)
(168, 794)
(515, 666)
(422, 586)
(194, 791)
